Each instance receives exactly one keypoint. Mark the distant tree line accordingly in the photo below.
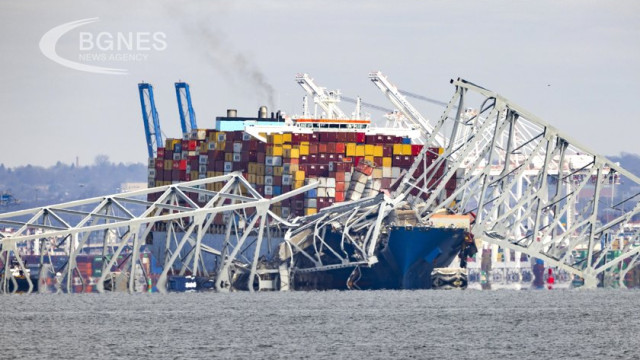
(34, 186)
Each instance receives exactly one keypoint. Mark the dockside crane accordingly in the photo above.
(401, 103)
(150, 118)
(326, 99)
(183, 94)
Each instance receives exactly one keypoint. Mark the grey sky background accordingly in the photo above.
(573, 63)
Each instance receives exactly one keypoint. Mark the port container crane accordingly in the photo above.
(183, 94)
(398, 100)
(326, 99)
(150, 118)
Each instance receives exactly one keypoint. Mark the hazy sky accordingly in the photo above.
(573, 63)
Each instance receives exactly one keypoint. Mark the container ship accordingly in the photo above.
(350, 159)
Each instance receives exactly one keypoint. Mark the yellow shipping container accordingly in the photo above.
(251, 178)
(260, 169)
(211, 174)
(228, 157)
(378, 151)
(287, 146)
(368, 150)
(277, 139)
(293, 168)
(298, 184)
(359, 150)
(351, 149)
(168, 164)
(286, 138)
(295, 153)
(369, 158)
(406, 149)
(274, 151)
(304, 143)
(386, 162)
(310, 211)
(298, 176)
(260, 180)
(397, 149)
(219, 173)
(195, 175)
(220, 145)
(304, 149)
(277, 170)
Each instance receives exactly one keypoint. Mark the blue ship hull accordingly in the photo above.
(405, 261)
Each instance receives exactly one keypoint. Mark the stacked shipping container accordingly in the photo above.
(288, 161)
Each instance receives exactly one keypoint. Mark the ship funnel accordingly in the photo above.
(231, 113)
(262, 113)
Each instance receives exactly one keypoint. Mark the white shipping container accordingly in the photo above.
(395, 172)
(285, 212)
(322, 182)
(268, 170)
(211, 145)
(246, 137)
(347, 177)
(228, 166)
(322, 192)
(268, 160)
(286, 179)
(386, 172)
(222, 137)
(277, 161)
(268, 180)
(268, 190)
(237, 157)
(202, 169)
(331, 192)
(152, 173)
(237, 147)
(177, 156)
(310, 203)
(331, 182)
(203, 159)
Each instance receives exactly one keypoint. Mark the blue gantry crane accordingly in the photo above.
(150, 118)
(184, 98)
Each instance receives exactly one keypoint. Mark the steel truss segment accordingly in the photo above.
(533, 187)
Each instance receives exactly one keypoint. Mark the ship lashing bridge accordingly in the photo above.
(532, 188)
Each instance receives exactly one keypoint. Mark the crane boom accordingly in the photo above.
(326, 99)
(398, 100)
(150, 118)
(183, 94)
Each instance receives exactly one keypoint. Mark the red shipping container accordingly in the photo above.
(340, 147)
(262, 147)
(192, 145)
(341, 137)
(351, 137)
(160, 153)
(360, 138)
(159, 164)
(387, 150)
(339, 196)
(340, 185)
(331, 148)
(415, 149)
(347, 159)
(294, 161)
(323, 148)
(358, 159)
(313, 149)
(323, 170)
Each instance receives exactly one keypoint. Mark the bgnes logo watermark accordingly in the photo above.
(102, 47)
